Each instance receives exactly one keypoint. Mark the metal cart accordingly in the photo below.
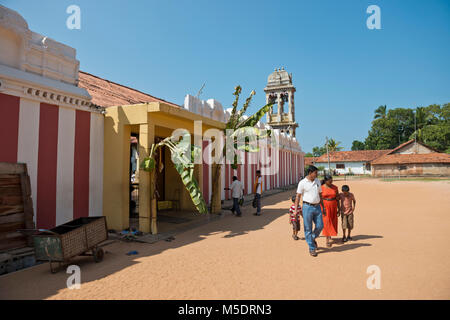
(81, 236)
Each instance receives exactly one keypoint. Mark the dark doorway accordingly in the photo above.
(134, 180)
(160, 171)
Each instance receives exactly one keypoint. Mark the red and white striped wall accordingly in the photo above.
(63, 150)
(290, 170)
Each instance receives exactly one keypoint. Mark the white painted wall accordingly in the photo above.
(353, 167)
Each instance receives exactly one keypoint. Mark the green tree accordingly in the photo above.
(358, 145)
(404, 118)
(427, 124)
(436, 136)
(318, 151)
(380, 112)
(382, 135)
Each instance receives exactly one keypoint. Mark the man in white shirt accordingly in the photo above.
(258, 192)
(310, 190)
(237, 192)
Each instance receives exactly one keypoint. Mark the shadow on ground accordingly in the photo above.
(34, 283)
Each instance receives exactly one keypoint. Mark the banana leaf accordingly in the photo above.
(253, 120)
(184, 167)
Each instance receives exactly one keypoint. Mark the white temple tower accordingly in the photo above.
(280, 90)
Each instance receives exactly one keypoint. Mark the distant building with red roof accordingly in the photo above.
(409, 158)
(412, 158)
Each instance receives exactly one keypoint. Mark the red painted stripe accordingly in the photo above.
(296, 166)
(9, 127)
(231, 174)
(291, 165)
(253, 176)
(205, 175)
(286, 176)
(272, 166)
(265, 183)
(246, 174)
(277, 177)
(81, 164)
(285, 167)
(227, 181)
(47, 166)
(282, 168)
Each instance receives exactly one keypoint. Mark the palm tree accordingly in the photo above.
(333, 145)
(423, 118)
(380, 112)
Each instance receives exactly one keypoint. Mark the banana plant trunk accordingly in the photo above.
(153, 212)
(216, 206)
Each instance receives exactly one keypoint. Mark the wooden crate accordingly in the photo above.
(16, 206)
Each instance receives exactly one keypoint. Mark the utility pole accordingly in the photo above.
(415, 130)
(328, 155)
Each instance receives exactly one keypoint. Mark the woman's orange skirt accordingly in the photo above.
(330, 221)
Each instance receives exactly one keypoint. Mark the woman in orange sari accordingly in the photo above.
(330, 195)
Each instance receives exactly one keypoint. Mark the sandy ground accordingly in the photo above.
(402, 227)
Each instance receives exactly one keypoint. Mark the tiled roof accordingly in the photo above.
(309, 160)
(352, 156)
(106, 93)
(409, 142)
(397, 158)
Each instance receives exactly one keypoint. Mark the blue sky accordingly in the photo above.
(341, 69)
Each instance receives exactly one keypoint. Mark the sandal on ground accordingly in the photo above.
(344, 239)
(295, 237)
(313, 253)
(328, 245)
(349, 239)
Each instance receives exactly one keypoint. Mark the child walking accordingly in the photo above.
(294, 218)
(348, 203)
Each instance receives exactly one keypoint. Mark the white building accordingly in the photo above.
(350, 162)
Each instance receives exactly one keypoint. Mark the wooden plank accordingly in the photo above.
(13, 226)
(27, 201)
(5, 210)
(10, 199)
(9, 236)
(13, 244)
(11, 190)
(16, 206)
(11, 168)
(9, 180)
(15, 217)
(19, 251)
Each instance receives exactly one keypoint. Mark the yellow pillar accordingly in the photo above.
(116, 181)
(146, 139)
